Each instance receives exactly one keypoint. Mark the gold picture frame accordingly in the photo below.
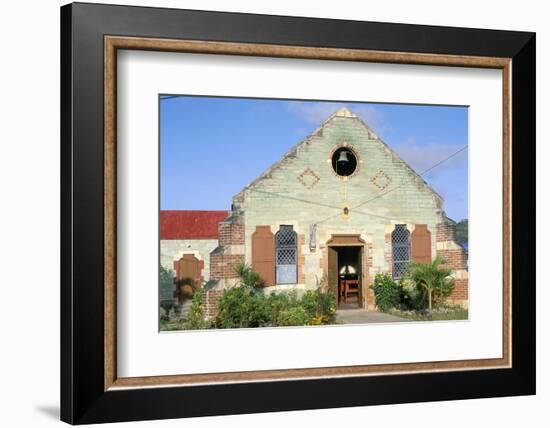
(114, 43)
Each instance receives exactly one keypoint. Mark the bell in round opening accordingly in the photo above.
(343, 156)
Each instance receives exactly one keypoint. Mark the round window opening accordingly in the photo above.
(344, 162)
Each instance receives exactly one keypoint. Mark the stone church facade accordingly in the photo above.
(340, 200)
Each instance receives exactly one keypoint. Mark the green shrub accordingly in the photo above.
(241, 307)
(194, 320)
(164, 315)
(257, 315)
(245, 307)
(293, 316)
(163, 324)
(319, 306)
(387, 293)
(276, 303)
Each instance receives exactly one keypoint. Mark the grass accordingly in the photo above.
(170, 325)
(439, 313)
(178, 325)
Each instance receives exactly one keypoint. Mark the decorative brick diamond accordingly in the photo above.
(308, 178)
(381, 180)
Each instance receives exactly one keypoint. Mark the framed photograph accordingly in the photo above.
(266, 213)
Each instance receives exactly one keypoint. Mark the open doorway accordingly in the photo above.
(345, 270)
(349, 279)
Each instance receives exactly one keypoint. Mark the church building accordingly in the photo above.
(340, 205)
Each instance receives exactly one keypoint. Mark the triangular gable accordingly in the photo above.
(318, 132)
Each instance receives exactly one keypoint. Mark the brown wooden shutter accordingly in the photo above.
(421, 244)
(189, 267)
(263, 254)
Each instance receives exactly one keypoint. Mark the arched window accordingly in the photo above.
(401, 250)
(286, 255)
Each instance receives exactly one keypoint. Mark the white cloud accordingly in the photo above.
(317, 112)
(448, 178)
(424, 156)
(372, 116)
(313, 113)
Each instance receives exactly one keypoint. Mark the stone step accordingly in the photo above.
(180, 310)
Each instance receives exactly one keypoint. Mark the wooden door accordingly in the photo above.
(360, 277)
(333, 270)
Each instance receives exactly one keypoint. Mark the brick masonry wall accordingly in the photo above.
(445, 231)
(460, 292)
(210, 301)
(222, 263)
(230, 233)
(455, 258)
(222, 266)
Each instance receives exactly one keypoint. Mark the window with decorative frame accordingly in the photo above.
(401, 250)
(286, 255)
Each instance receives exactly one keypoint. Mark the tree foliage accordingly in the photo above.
(461, 234)
(166, 283)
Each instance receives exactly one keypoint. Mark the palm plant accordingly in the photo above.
(247, 277)
(433, 278)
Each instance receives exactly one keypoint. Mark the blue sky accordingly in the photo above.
(212, 147)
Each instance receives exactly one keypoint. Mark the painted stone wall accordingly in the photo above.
(303, 189)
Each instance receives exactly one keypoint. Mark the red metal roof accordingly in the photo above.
(190, 224)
